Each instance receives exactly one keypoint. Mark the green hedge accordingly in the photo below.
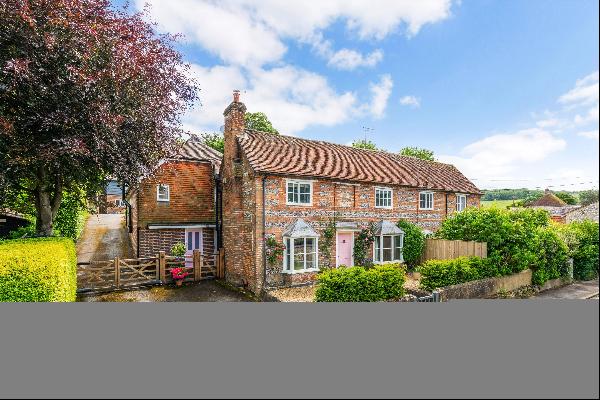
(414, 243)
(581, 238)
(43, 269)
(552, 257)
(379, 283)
(440, 273)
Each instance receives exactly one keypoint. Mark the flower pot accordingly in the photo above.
(179, 282)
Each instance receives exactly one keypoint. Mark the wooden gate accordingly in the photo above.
(134, 272)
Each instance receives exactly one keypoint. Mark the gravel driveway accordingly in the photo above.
(104, 237)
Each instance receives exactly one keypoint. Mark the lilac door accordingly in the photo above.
(344, 249)
(193, 240)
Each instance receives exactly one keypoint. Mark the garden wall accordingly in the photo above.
(487, 287)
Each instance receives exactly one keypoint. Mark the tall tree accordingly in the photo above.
(587, 197)
(364, 144)
(418, 152)
(86, 91)
(214, 140)
(567, 197)
(259, 121)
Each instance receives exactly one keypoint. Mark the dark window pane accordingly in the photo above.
(189, 236)
(197, 237)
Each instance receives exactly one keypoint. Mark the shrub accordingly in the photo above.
(379, 283)
(178, 249)
(581, 238)
(510, 235)
(43, 269)
(440, 273)
(71, 215)
(414, 243)
(552, 256)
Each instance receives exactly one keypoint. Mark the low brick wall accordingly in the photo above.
(484, 288)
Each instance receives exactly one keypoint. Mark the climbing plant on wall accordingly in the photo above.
(362, 246)
(326, 244)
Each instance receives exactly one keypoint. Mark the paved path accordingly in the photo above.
(104, 238)
(576, 290)
(207, 291)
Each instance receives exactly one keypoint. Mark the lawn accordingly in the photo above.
(497, 203)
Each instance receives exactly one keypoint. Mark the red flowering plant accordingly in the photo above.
(179, 273)
(274, 250)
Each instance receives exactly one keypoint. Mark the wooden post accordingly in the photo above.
(197, 260)
(162, 264)
(117, 272)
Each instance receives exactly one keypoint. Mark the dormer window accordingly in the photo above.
(163, 192)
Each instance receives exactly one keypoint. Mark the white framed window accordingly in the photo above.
(461, 202)
(299, 192)
(163, 193)
(301, 254)
(383, 197)
(388, 248)
(426, 201)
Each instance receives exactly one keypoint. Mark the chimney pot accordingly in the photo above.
(236, 96)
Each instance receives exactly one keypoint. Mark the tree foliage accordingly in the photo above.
(566, 197)
(85, 92)
(588, 197)
(414, 243)
(418, 152)
(214, 140)
(259, 122)
(364, 144)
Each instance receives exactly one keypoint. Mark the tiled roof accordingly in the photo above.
(195, 150)
(287, 155)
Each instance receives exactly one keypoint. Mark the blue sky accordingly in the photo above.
(505, 90)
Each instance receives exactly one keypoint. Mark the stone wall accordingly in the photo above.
(487, 287)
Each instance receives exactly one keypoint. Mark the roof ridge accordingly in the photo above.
(380, 151)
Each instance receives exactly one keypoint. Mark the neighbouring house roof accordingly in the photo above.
(195, 150)
(12, 214)
(549, 199)
(387, 228)
(299, 228)
(287, 155)
(589, 212)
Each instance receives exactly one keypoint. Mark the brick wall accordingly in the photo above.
(192, 194)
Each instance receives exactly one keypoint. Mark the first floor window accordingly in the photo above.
(461, 202)
(162, 192)
(383, 198)
(300, 254)
(426, 200)
(299, 192)
(388, 248)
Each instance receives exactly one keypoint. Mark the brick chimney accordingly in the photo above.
(547, 191)
(234, 127)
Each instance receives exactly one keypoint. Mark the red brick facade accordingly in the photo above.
(158, 225)
(248, 218)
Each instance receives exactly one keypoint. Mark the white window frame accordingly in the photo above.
(461, 196)
(158, 196)
(289, 269)
(298, 182)
(385, 189)
(394, 255)
(432, 200)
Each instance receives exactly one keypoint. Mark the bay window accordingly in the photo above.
(301, 252)
(388, 244)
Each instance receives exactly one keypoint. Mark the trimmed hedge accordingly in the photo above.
(440, 273)
(552, 257)
(379, 283)
(414, 243)
(581, 238)
(43, 269)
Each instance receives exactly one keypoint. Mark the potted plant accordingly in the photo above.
(179, 275)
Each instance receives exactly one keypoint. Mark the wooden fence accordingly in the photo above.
(126, 273)
(440, 249)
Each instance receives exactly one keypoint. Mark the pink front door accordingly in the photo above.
(344, 249)
(193, 240)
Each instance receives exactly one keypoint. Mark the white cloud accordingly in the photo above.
(590, 117)
(252, 33)
(411, 101)
(381, 93)
(584, 92)
(350, 59)
(589, 134)
(500, 155)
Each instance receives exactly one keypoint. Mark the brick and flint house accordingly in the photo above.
(292, 189)
(177, 204)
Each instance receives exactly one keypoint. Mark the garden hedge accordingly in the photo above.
(43, 269)
(440, 273)
(581, 238)
(414, 243)
(552, 257)
(351, 284)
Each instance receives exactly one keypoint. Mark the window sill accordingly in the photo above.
(299, 204)
(300, 271)
(163, 201)
(388, 262)
(385, 208)
(425, 209)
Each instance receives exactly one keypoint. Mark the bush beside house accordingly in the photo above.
(414, 243)
(43, 269)
(581, 238)
(439, 273)
(359, 284)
